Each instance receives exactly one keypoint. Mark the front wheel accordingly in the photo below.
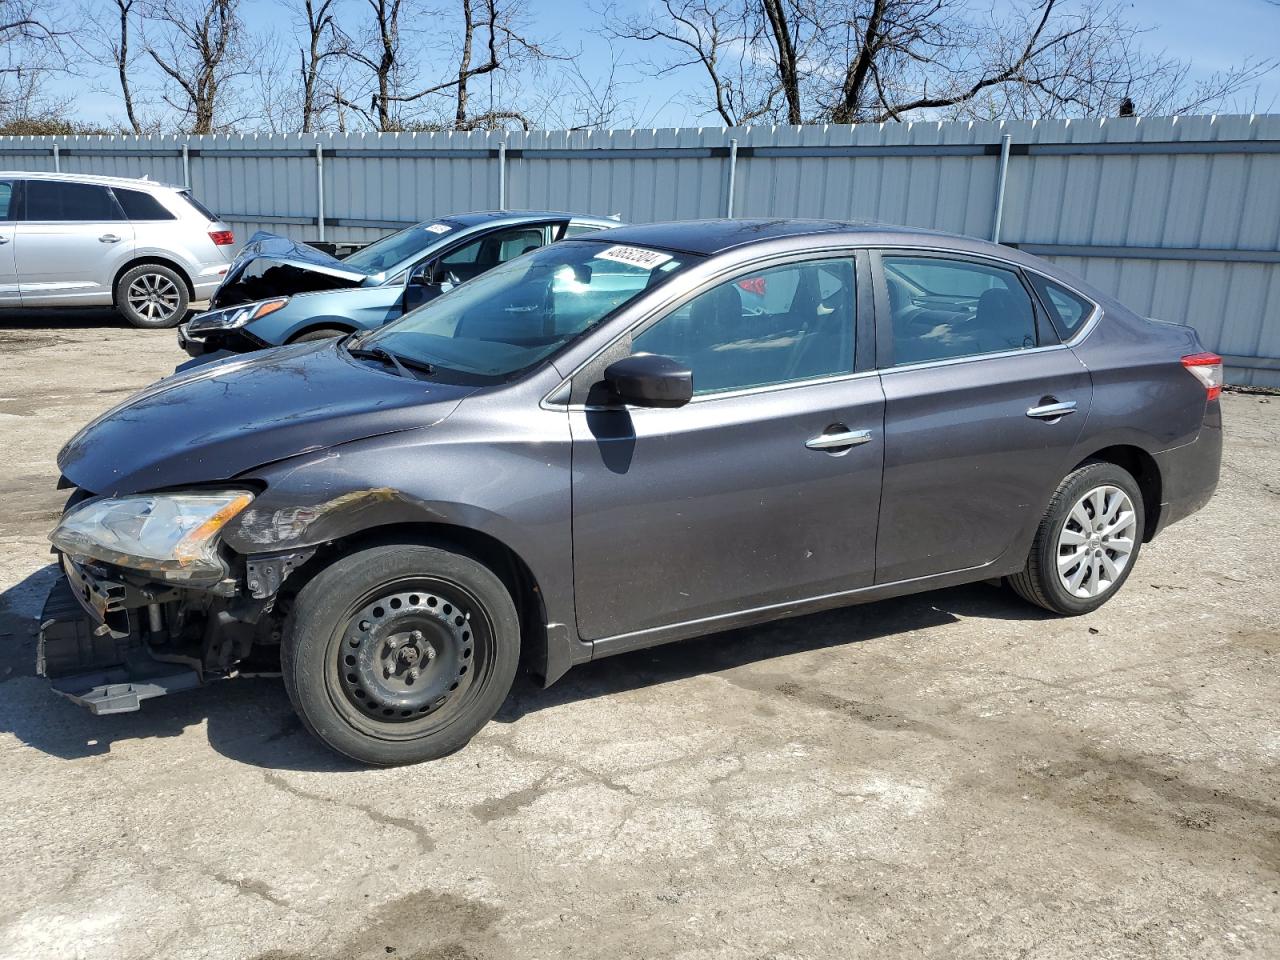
(152, 296)
(400, 653)
(1087, 542)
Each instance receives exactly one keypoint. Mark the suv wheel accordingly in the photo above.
(400, 653)
(152, 296)
(1087, 542)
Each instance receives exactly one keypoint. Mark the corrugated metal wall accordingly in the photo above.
(1180, 218)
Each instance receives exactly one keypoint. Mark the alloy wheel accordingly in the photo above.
(1096, 542)
(154, 296)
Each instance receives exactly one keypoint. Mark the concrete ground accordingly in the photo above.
(950, 775)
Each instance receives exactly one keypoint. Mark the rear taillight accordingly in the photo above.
(1207, 368)
(222, 238)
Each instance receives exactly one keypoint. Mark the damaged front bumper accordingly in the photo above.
(110, 638)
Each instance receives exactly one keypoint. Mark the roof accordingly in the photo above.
(708, 237)
(133, 182)
(519, 216)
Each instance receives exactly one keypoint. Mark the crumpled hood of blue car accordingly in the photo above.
(221, 420)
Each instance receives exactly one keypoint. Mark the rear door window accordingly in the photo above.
(943, 308)
(1067, 310)
(54, 200)
(139, 205)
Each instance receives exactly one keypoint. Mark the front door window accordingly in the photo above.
(767, 327)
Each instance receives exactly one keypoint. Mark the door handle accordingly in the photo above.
(1052, 411)
(109, 238)
(838, 441)
(4, 239)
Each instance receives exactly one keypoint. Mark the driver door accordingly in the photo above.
(762, 491)
(471, 259)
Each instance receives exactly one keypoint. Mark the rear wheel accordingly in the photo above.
(400, 653)
(152, 296)
(324, 333)
(1087, 542)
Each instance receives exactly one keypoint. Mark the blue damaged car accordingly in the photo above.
(281, 291)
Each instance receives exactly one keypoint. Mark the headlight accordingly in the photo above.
(171, 534)
(233, 317)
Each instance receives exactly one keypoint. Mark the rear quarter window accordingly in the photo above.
(200, 207)
(1068, 311)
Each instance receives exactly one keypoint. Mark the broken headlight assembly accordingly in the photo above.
(171, 535)
(232, 318)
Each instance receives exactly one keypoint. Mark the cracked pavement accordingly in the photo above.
(948, 775)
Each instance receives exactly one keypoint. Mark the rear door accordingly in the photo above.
(982, 408)
(72, 239)
(9, 200)
(763, 490)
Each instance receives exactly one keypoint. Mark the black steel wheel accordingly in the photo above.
(400, 653)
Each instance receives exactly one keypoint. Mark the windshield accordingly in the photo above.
(510, 318)
(396, 249)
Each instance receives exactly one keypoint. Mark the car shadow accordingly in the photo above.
(251, 721)
(719, 652)
(53, 319)
(60, 318)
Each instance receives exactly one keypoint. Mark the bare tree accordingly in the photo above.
(491, 39)
(573, 97)
(120, 56)
(200, 46)
(711, 36)
(321, 46)
(31, 49)
(845, 61)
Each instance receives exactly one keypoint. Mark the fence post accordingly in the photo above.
(320, 189)
(186, 166)
(1000, 182)
(57, 164)
(502, 175)
(732, 177)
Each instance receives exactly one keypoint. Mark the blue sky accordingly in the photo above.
(1229, 32)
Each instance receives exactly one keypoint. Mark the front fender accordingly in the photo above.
(512, 487)
(359, 308)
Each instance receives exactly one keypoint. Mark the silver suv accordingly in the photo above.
(146, 248)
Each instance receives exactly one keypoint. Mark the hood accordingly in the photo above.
(220, 420)
(273, 266)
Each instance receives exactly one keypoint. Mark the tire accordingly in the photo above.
(324, 333)
(361, 627)
(1070, 531)
(152, 296)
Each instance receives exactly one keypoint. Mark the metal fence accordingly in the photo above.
(1180, 218)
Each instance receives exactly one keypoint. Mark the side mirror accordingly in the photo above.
(423, 275)
(649, 380)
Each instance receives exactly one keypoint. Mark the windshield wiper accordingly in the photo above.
(402, 364)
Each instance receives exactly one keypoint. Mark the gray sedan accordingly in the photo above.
(613, 442)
